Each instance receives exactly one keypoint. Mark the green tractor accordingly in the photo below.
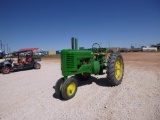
(80, 64)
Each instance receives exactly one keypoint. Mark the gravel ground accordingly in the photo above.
(30, 94)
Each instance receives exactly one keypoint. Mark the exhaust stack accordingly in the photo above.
(74, 43)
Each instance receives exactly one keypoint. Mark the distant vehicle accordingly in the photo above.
(39, 54)
(15, 62)
(42, 53)
(24, 54)
(2, 54)
(124, 50)
(147, 48)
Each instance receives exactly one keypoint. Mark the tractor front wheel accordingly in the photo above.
(115, 68)
(83, 76)
(69, 88)
(58, 87)
(5, 70)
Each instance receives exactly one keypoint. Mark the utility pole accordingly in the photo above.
(7, 48)
(1, 44)
(4, 48)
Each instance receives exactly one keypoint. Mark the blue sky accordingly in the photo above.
(50, 24)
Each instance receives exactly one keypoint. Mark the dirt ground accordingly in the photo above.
(30, 94)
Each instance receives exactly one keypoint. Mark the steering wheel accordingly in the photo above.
(95, 47)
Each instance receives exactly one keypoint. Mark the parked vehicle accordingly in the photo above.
(39, 54)
(2, 54)
(124, 50)
(147, 48)
(16, 62)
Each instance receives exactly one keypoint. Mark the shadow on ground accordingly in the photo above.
(99, 81)
(18, 71)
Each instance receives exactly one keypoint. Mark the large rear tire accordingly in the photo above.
(5, 70)
(115, 68)
(58, 87)
(69, 88)
(83, 76)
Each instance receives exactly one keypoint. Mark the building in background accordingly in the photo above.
(113, 49)
(51, 53)
(157, 46)
(58, 51)
(81, 48)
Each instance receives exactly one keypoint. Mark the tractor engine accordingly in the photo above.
(78, 61)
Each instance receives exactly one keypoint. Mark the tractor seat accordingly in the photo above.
(28, 60)
(20, 61)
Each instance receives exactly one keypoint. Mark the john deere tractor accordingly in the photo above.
(81, 64)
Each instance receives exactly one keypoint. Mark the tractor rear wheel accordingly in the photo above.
(83, 76)
(58, 87)
(115, 68)
(5, 70)
(69, 88)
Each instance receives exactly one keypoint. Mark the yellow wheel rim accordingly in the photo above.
(118, 69)
(71, 89)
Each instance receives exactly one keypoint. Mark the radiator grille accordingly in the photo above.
(70, 61)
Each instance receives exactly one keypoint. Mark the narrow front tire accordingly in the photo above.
(69, 88)
(58, 87)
